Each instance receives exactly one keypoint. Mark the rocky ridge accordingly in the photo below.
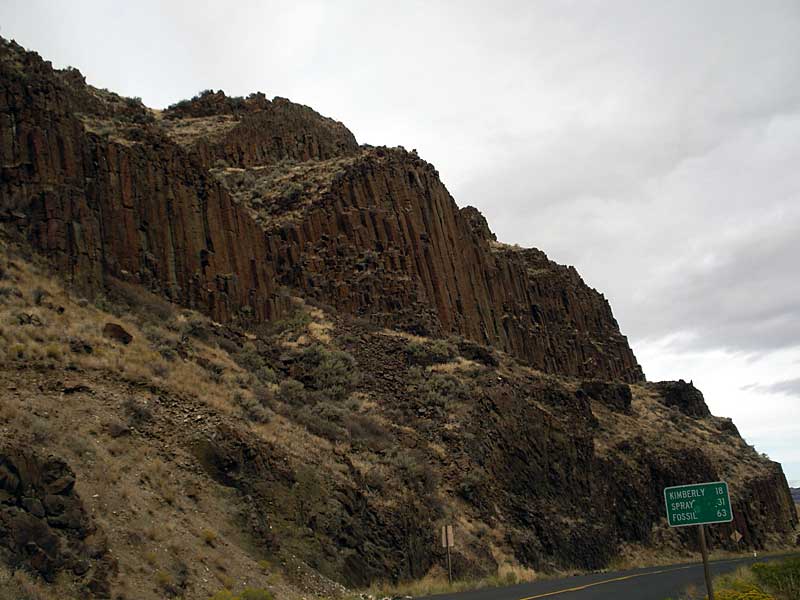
(105, 187)
(372, 363)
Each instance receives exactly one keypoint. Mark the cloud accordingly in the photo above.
(788, 387)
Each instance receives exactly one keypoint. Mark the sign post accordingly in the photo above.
(699, 504)
(706, 570)
(447, 542)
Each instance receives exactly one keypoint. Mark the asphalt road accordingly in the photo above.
(653, 583)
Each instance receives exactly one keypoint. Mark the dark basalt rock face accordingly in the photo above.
(616, 396)
(684, 396)
(105, 188)
(43, 523)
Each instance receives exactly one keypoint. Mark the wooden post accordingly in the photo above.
(706, 570)
(449, 567)
(447, 543)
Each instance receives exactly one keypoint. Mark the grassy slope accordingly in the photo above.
(127, 417)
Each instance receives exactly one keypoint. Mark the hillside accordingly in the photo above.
(239, 349)
(795, 494)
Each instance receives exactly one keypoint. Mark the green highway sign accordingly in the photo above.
(698, 504)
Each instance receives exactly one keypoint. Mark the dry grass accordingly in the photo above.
(42, 335)
(281, 193)
(668, 427)
(188, 130)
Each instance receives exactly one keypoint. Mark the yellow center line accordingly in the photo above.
(605, 581)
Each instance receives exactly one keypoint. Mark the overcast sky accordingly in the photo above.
(654, 145)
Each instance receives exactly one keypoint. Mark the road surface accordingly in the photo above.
(653, 583)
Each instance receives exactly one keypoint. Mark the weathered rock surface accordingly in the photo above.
(43, 523)
(104, 188)
(616, 396)
(255, 131)
(117, 332)
(683, 396)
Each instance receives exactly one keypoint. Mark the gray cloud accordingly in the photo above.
(788, 387)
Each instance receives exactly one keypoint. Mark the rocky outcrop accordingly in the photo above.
(384, 238)
(755, 507)
(255, 131)
(43, 523)
(683, 396)
(616, 396)
(100, 190)
(104, 187)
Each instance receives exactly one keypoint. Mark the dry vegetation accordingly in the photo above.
(281, 192)
(188, 130)
(656, 424)
(125, 416)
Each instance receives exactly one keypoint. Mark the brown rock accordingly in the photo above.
(117, 332)
(42, 519)
(376, 234)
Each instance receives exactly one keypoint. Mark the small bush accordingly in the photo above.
(439, 389)
(292, 392)
(251, 408)
(415, 471)
(782, 577)
(296, 322)
(160, 369)
(138, 413)
(38, 296)
(264, 396)
(321, 425)
(471, 486)
(249, 358)
(292, 192)
(369, 430)
(430, 353)
(166, 582)
(331, 372)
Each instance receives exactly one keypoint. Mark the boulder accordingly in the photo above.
(117, 332)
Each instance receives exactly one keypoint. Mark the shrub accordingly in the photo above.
(251, 360)
(264, 396)
(296, 321)
(430, 353)
(292, 392)
(38, 296)
(781, 577)
(415, 471)
(369, 430)
(331, 372)
(251, 408)
(470, 487)
(137, 412)
(320, 424)
(292, 191)
(138, 300)
(441, 388)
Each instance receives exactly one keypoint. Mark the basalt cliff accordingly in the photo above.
(230, 309)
